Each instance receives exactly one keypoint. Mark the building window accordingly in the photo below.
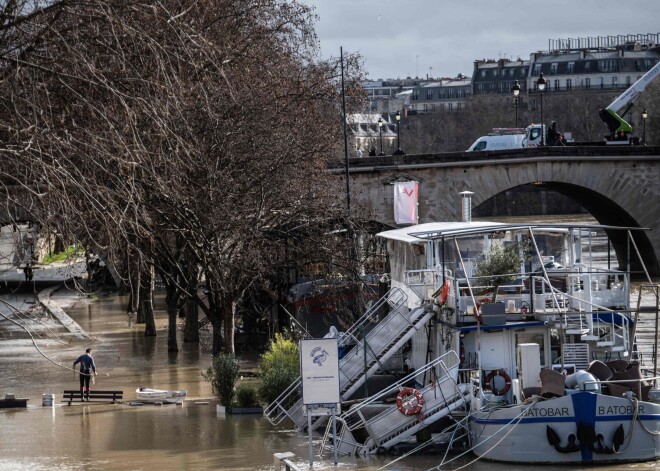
(587, 65)
(601, 81)
(537, 69)
(512, 72)
(429, 94)
(627, 80)
(608, 65)
(569, 84)
(415, 94)
(426, 107)
(450, 106)
(483, 73)
(553, 69)
(459, 106)
(587, 83)
(557, 87)
(615, 82)
(571, 67)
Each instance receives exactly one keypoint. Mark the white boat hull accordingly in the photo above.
(160, 395)
(579, 428)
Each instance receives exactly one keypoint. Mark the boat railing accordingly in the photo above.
(393, 300)
(426, 282)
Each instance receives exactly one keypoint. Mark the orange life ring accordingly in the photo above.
(490, 382)
(409, 401)
(445, 292)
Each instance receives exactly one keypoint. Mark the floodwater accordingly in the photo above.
(191, 436)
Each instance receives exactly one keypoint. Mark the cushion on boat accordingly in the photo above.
(552, 383)
(600, 370)
(617, 365)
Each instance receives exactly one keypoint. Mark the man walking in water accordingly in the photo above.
(87, 366)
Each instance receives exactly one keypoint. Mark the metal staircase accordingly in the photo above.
(376, 423)
(372, 340)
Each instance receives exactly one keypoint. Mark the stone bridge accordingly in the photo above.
(618, 185)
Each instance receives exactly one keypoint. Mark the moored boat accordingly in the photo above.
(547, 344)
(160, 395)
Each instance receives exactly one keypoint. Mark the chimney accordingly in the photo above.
(467, 205)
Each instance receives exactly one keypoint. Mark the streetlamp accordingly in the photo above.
(516, 95)
(644, 116)
(380, 129)
(398, 151)
(540, 83)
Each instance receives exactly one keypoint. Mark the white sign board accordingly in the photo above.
(319, 367)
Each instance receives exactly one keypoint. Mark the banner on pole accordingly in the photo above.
(405, 202)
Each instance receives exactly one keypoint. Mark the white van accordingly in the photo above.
(507, 141)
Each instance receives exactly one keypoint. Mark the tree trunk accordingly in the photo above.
(147, 311)
(191, 330)
(218, 344)
(172, 298)
(229, 314)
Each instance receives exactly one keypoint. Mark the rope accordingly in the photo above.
(516, 419)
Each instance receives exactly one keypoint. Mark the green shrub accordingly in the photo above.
(246, 396)
(223, 374)
(279, 367)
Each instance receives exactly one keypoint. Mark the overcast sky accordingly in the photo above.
(412, 38)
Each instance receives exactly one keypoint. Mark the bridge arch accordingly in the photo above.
(608, 213)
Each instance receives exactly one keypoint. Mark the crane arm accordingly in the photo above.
(610, 115)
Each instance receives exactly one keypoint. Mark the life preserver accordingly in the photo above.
(409, 401)
(445, 292)
(490, 382)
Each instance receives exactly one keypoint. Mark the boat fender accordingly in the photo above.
(445, 293)
(490, 382)
(409, 401)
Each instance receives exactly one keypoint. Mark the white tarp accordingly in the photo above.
(405, 202)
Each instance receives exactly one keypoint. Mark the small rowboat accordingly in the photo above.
(160, 395)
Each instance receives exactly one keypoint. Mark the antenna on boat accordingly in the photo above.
(466, 215)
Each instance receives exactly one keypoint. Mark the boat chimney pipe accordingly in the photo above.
(467, 205)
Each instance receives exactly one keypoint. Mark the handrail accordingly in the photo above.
(455, 361)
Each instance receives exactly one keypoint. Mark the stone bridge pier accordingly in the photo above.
(619, 186)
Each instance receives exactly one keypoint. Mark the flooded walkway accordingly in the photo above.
(191, 436)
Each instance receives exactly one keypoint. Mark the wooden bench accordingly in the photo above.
(74, 395)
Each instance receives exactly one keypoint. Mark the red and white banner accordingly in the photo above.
(405, 202)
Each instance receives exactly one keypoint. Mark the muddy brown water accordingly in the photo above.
(192, 436)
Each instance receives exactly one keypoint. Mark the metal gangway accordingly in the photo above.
(371, 341)
(379, 423)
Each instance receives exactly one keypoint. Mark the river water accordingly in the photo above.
(191, 436)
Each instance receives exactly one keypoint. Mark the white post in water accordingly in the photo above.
(467, 205)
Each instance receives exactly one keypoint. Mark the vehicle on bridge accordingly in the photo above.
(499, 139)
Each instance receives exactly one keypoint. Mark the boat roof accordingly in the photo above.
(437, 230)
(421, 232)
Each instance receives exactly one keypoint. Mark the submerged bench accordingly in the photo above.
(73, 395)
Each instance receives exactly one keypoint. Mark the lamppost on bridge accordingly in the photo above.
(540, 83)
(398, 151)
(380, 130)
(644, 116)
(516, 96)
